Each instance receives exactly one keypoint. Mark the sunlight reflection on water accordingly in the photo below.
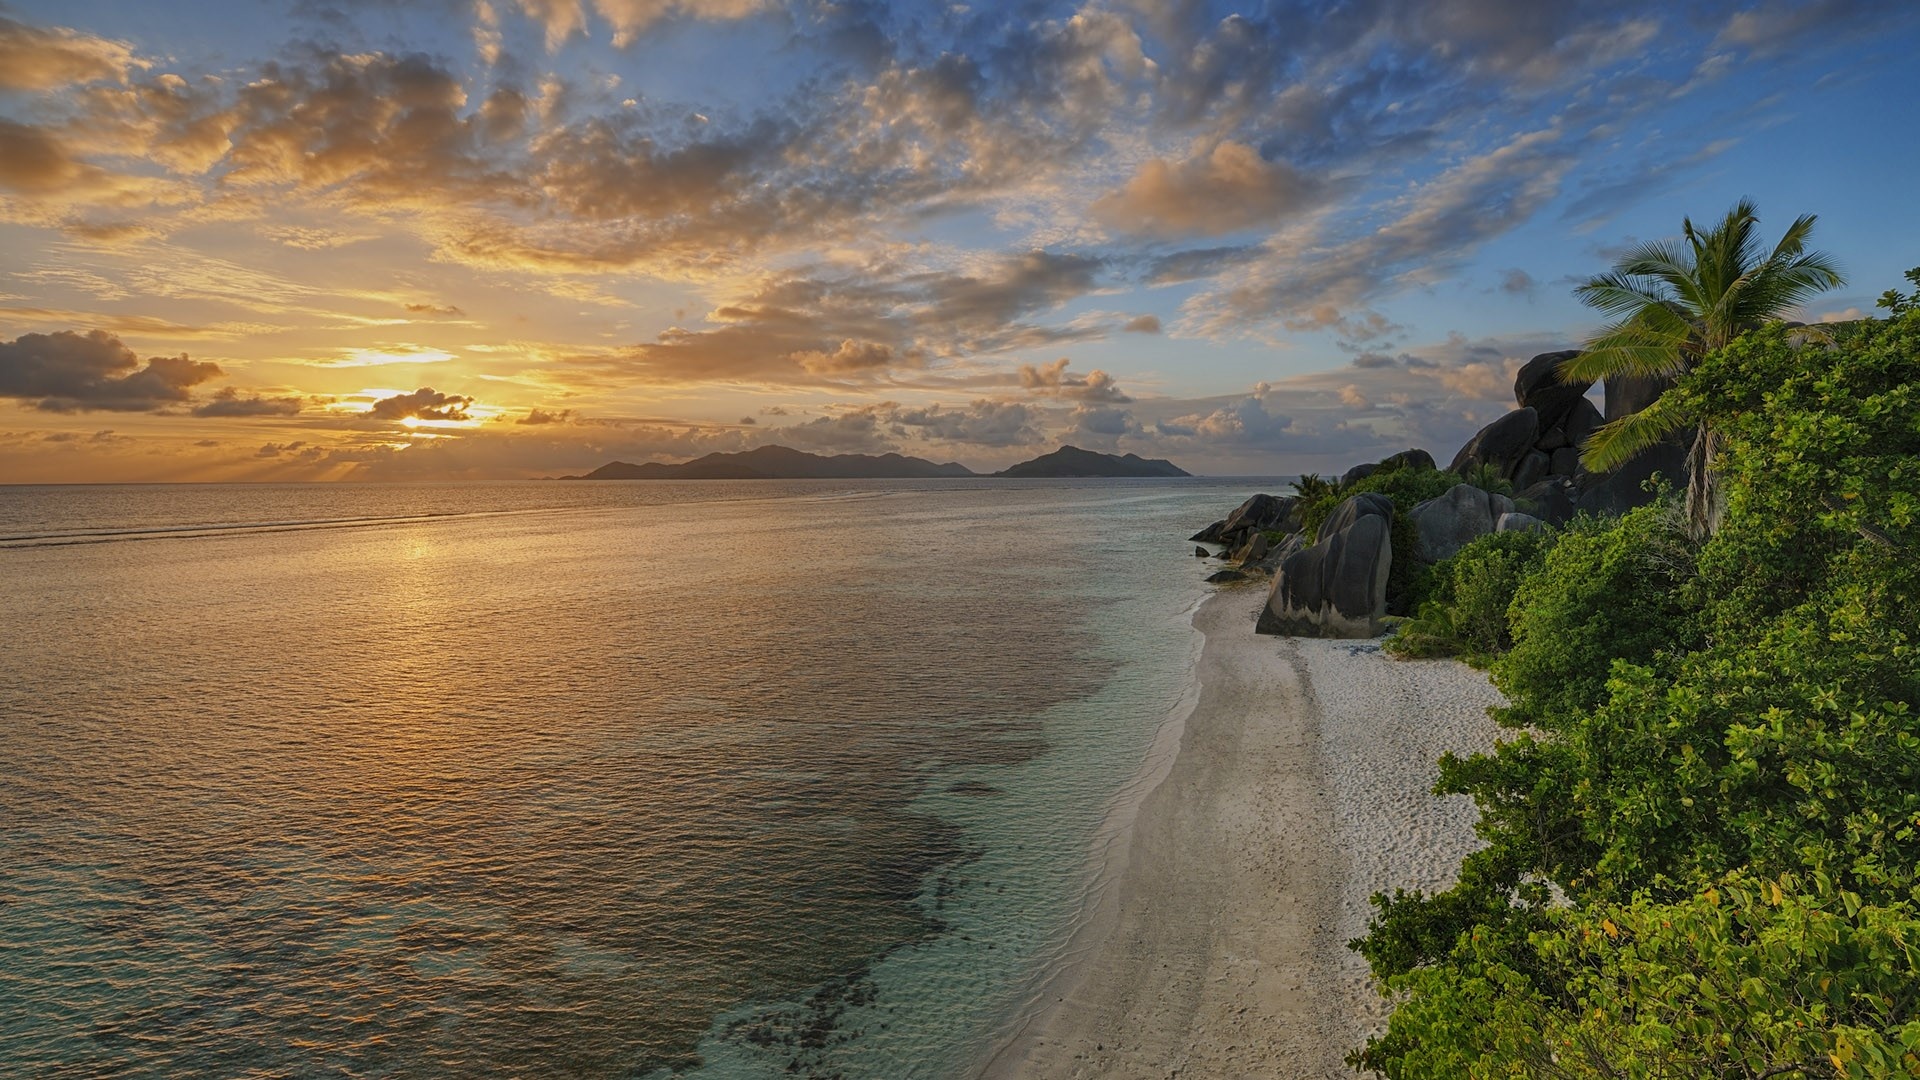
(610, 789)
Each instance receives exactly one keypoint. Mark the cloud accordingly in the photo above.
(866, 326)
(70, 372)
(34, 161)
(1329, 286)
(544, 416)
(1054, 380)
(1518, 283)
(857, 432)
(445, 310)
(45, 58)
(1770, 27)
(230, 402)
(1222, 190)
(561, 20)
(1243, 422)
(1143, 324)
(851, 356)
(631, 18)
(981, 423)
(1102, 425)
(425, 403)
(311, 238)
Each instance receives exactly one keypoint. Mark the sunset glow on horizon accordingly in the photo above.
(557, 233)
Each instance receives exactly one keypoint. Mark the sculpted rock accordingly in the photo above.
(1532, 469)
(1210, 534)
(1538, 387)
(1255, 550)
(1549, 500)
(1200, 552)
(1415, 459)
(1627, 394)
(1501, 444)
(1365, 504)
(1336, 588)
(1453, 520)
(1219, 576)
(1279, 553)
(1258, 514)
(1517, 522)
(1565, 462)
(1358, 472)
(1581, 422)
(1621, 490)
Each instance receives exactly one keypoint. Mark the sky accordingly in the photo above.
(423, 240)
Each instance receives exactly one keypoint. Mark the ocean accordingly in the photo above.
(649, 779)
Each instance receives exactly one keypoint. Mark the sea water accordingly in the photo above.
(721, 779)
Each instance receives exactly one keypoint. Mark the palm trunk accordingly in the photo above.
(1704, 507)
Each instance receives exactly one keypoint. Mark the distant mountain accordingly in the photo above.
(780, 463)
(1073, 461)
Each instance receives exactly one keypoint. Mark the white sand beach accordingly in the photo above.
(1301, 788)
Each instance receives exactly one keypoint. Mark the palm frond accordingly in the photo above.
(1617, 442)
(1794, 241)
(1618, 294)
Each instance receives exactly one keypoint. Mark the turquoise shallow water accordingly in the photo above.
(729, 780)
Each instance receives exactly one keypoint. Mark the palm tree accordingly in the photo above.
(1672, 305)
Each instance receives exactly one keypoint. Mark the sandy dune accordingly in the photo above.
(1300, 789)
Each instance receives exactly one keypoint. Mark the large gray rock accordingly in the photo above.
(1565, 462)
(1337, 588)
(1580, 423)
(1352, 509)
(1454, 520)
(1549, 499)
(1415, 458)
(1628, 394)
(1518, 522)
(1538, 387)
(1255, 550)
(1281, 551)
(1210, 534)
(1624, 488)
(1532, 469)
(1258, 514)
(1501, 444)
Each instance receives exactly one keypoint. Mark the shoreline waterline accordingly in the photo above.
(1107, 865)
(1300, 787)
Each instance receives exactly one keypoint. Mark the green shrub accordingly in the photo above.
(1487, 477)
(1466, 611)
(1744, 977)
(1701, 848)
(1312, 486)
(1608, 590)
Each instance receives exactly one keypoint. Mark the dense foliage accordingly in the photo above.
(1702, 838)
(1465, 613)
(1899, 303)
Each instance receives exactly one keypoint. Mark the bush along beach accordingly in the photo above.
(1702, 833)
